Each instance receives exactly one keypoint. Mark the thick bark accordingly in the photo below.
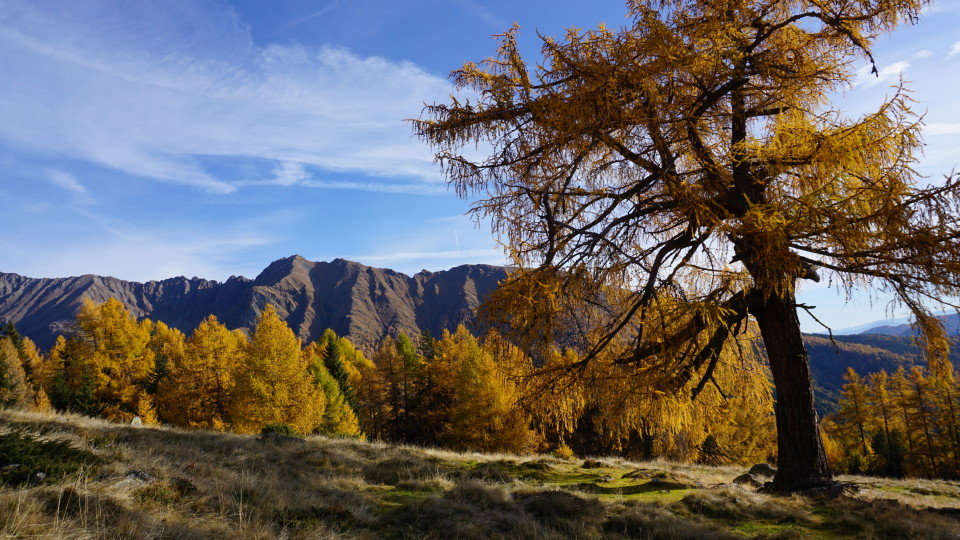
(802, 463)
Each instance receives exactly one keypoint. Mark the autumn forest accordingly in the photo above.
(461, 392)
(456, 391)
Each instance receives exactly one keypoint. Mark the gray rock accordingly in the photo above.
(764, 470)
(139, 476)
(747, 480)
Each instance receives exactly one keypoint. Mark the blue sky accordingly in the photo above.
(150, 139)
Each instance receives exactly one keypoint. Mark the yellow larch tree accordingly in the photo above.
(890, 426)
(38, 373)
(272, 382)
(484, 414)
(693, 156)
(855, 411)
(15, 390)
(198, 388)
(122, 355)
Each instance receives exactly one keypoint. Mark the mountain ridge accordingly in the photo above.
(357, 301)
(363, 303)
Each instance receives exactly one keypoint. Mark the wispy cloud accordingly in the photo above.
(319, 13)
(887, 74)
(954, 49)
(290, 174)
(151, 96)
(68, 182)
(484, 14)
(941, 128)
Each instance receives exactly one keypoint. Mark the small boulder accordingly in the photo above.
(139, 476)
(642, 473)
(136, 422)
(747, 480)
(592, 464)
(764, 470)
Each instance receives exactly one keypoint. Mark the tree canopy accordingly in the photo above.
(665, 185)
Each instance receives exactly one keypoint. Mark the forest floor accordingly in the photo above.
(106, 480)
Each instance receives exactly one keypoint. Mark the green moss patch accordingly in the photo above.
(28, 459)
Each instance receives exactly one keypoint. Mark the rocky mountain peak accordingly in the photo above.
(361, 302)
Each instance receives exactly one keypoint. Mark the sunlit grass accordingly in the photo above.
(158, 482)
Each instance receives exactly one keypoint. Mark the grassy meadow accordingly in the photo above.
(108, 480)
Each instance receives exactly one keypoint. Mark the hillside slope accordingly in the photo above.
(108, 480)
(865, 353)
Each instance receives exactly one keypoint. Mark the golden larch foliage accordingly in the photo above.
(198, 390)
(272, 382)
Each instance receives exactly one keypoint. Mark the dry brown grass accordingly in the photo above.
(157, 482)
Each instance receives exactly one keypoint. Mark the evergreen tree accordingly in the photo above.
(334, 362)
(73, 380)
(339, 417)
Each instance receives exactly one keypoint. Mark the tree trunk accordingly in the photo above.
(802, 463)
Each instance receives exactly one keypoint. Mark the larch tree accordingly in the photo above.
(122, 356)
(878, 391)
(854, 413)
(691, 160)
(483, 411)
(198, 388)
(14, 389)
(272, 384)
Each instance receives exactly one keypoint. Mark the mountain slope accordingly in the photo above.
(360, 302)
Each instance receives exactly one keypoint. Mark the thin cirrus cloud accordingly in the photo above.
(289, 174)
(69, 183)
(887, 74)
(157, 102)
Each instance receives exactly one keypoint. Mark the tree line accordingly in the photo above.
(904, 424)
(458, 391)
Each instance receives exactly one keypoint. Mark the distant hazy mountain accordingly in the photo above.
(902, 326)
(357, 301)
